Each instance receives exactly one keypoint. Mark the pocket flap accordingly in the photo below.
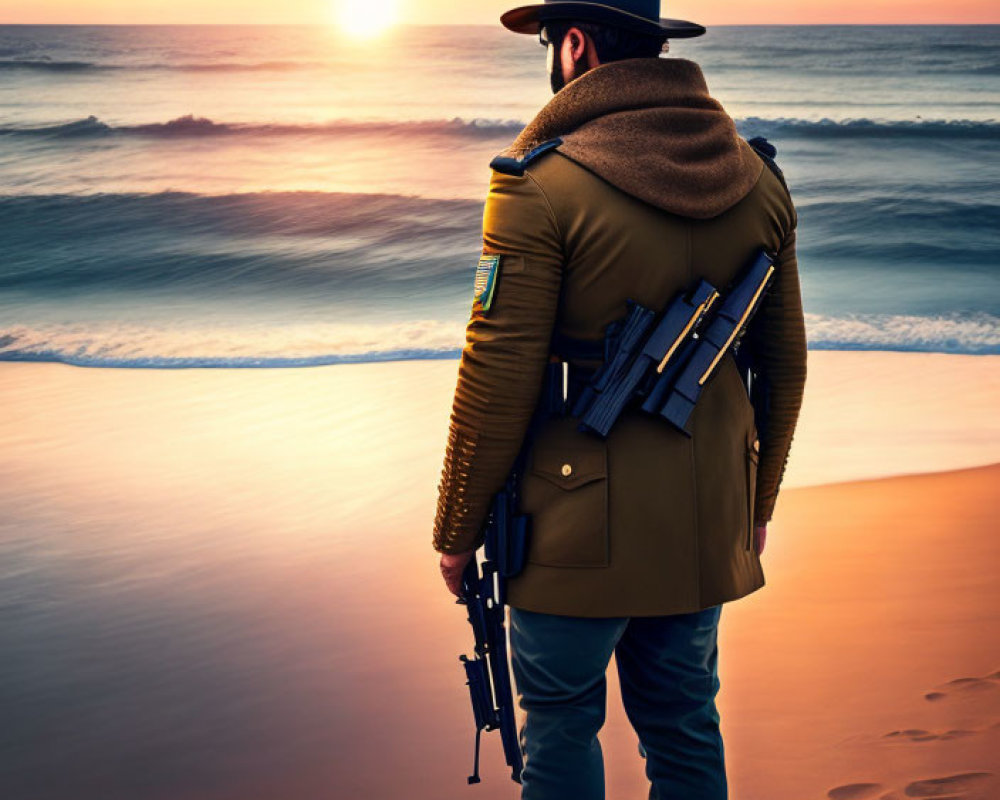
(566, 457)
(565, 492)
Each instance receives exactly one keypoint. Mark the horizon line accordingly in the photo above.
(497, 24)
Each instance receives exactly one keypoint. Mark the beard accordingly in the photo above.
(556, 75)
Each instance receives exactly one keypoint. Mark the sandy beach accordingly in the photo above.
(219, 584)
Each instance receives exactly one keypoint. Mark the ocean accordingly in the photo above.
(258, 196)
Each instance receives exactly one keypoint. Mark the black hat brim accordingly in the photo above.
(527, 19)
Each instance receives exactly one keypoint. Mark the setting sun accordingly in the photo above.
(366, 18)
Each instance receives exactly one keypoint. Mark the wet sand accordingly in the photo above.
(219, 584)
(872, 655)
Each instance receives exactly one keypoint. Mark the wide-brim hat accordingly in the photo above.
(641, 16)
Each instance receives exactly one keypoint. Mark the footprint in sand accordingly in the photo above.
(853, 791)
(920, 735)
(985, 683)
(950, 787)
(913, 734)
(972, 684)
(956, 733)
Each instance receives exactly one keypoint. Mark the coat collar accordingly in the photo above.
(650, 127)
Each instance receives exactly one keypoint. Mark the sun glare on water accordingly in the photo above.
(366, 18)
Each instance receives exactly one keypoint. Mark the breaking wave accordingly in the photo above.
(192, 126)
(116, 344)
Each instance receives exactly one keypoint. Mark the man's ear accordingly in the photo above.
(580, 49)
(576, 43)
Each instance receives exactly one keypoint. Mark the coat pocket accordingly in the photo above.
(752, 460)
(565, 490)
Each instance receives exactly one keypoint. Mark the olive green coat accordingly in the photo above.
(648, 521)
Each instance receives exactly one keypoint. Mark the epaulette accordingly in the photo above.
(767, 152)
(516, 166)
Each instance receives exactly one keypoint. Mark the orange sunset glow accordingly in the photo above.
(366, 18)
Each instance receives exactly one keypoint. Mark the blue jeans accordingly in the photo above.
(667, 668)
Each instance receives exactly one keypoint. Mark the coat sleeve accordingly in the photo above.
(503, 362)
(780, 344)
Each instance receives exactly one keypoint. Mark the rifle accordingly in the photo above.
(483, 594)
(726, 328)
(665, 363)
(635, 351)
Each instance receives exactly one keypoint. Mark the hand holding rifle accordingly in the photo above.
(452, 566)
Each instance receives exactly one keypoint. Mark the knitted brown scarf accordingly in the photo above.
(650, 127)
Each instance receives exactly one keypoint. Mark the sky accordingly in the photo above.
(717, 12)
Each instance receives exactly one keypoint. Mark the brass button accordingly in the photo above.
(567, 470)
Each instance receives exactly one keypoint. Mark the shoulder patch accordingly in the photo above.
(486, 280)
(516, 166)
